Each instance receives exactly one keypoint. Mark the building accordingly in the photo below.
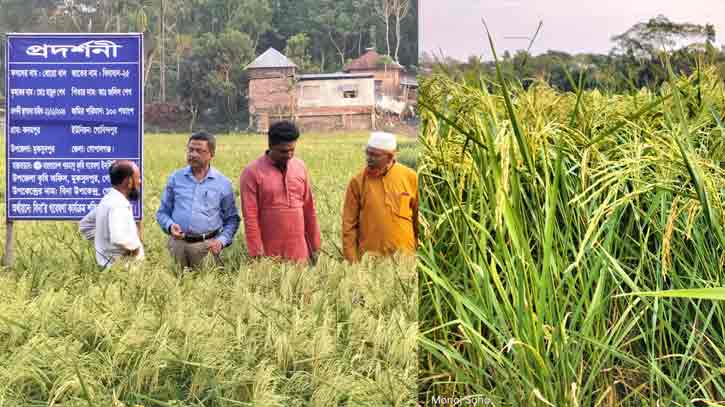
(336, 101)
(330, 101)
(387, 73)
(271, 88)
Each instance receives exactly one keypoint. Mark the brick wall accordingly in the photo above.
(337, 110)
(335, 118)
(266, 73)
(359, 122)
(270, 90)
(334, 122)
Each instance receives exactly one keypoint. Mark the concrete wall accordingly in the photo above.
(389, 80)
(329, 92)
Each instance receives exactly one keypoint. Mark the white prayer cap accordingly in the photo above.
(382, 141)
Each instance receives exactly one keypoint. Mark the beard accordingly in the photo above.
(134, 195)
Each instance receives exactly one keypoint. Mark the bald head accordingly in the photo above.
(126, 178)
(120, 170)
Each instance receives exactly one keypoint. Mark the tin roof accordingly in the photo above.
(335, 75)
(271, 58)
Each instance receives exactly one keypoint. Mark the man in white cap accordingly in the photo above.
(380, 215)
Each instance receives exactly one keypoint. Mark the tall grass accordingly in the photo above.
(247, 334)
(542, 212)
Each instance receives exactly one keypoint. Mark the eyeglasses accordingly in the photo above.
(196, 150)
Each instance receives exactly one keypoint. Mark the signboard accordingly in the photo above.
(74, 104)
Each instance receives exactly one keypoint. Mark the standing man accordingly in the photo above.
(110, 224)
(380, 215)
(279, 212)
(197, 208)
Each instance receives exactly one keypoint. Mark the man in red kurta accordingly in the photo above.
(277, 204)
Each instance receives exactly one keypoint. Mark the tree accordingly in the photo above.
(253, 17)
(409, 37)
(297, 50)
(213, 73)
(384, 10)
(336, 19)
(162, 43)
(645, 40)
(400, 11)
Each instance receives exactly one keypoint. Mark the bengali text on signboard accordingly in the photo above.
(74, 104)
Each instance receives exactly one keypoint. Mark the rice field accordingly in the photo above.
(547, 217)
(247, 334)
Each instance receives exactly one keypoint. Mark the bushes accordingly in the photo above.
(166, 116)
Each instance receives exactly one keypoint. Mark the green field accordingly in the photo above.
(249, 334)
(548, 215)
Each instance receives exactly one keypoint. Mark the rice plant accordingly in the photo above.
(543, 212)
(247, 334)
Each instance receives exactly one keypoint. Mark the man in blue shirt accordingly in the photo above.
(198, 208)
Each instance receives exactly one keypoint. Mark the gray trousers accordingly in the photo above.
(190, 255)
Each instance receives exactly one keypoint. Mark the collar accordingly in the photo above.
(211, 174)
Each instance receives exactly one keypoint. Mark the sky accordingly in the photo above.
(454, 27)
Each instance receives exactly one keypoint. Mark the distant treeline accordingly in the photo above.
(195, 50)
(637, 59)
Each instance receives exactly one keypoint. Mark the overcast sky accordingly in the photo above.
(454, 26)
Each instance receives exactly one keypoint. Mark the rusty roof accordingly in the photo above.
(369, 61)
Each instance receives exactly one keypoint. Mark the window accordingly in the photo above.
(349, 91)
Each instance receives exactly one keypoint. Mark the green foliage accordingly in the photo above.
(242, 29)
(635, 61)
(385, 60)
(525, 270)
(648, 39)
(212, 79)
(297, 50)
(408, 156)
(253, 17)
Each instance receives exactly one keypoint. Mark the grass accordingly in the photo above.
(544, 213)
(261, 334)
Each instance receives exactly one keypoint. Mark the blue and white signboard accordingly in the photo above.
(74, 104)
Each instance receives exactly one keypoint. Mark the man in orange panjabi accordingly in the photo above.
(380, 214)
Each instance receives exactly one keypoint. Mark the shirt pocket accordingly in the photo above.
(211, 203)
(401, 202)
